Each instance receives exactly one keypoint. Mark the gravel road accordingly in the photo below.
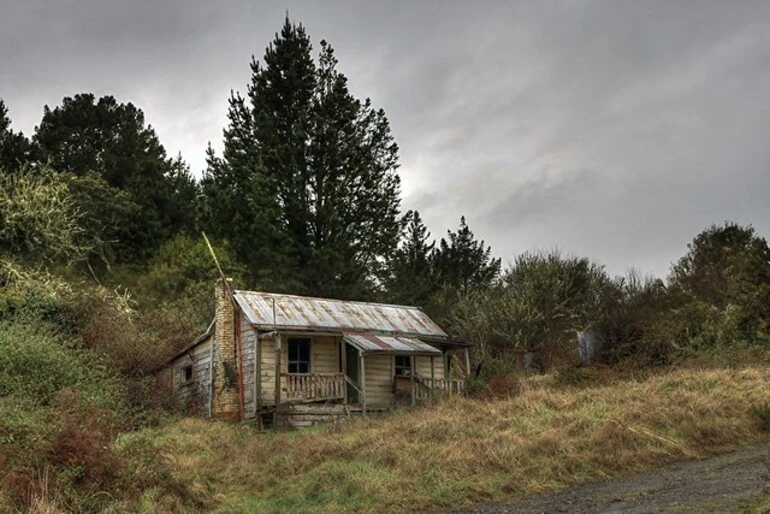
(716, 484)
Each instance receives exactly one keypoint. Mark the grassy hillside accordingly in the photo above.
(83, 429)
(556, 432)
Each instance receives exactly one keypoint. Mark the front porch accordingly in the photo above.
(321, 398)
(326, 377)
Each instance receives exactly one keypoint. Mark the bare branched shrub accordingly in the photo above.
(38, 217)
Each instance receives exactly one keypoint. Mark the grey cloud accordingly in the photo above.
(611, 129)
(565, 195)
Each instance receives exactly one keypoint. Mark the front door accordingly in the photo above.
(351, 365)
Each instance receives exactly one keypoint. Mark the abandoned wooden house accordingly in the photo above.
(297, 360)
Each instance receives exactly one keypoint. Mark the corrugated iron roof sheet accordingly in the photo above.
(369, 343)
(300, 312)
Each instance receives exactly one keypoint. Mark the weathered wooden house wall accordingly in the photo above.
(324, 358)
(248, 348)
(324, 355)
(194, 395)
(379, 380)
(423, 366)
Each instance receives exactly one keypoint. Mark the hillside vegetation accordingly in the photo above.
(554, 432)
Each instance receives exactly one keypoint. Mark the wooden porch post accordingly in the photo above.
(257, 377)
(411, 379)
(363, 380)
(432, 376)
(344, 370)
(467, 364)
(277, 344)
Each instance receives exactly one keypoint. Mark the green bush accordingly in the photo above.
(32, 301)
(36, 364)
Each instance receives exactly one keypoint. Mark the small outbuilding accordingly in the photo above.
(296, 360)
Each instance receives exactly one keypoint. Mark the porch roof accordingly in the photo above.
(370, 343)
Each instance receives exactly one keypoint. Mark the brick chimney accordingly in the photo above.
(225, 399)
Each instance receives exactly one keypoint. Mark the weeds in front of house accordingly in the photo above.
(465, 451)
(761, 413)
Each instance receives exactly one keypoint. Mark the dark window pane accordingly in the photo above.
(304, 351)
(403, 364)
(299, 355)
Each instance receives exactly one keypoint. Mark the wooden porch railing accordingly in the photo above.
(449, 386)
(438, 386)
(314, 386)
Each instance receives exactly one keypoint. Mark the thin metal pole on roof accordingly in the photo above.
(216, 261)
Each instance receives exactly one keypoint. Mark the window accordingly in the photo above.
(403, 365)
(299, 355)
(187, 374)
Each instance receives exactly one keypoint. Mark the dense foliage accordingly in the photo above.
(307, 189)
(717, 296)
(110, 138)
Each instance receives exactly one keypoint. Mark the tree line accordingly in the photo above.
(306, 193)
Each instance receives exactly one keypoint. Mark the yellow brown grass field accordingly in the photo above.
(467, 451)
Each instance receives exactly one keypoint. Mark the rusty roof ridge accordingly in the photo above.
(323, 299)
(346, 330)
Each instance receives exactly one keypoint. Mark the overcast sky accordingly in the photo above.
(612, 129)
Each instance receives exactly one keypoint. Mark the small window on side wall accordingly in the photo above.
(403, 365)
(299, 355)
(187, 374)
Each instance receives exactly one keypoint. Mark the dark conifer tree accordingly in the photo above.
(15, 149)
(412, 279)
(85, 134)
(306, 189)
(463, 262)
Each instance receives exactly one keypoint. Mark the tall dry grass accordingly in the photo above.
(466, 451)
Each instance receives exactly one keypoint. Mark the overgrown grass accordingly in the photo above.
(467, 451)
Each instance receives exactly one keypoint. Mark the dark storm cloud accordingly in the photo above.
(611, 129)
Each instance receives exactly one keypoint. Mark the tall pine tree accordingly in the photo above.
(411, 279)
(306, 190)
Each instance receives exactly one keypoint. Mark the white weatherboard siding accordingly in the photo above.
(379, 380)
(423, 366)
(325, 358)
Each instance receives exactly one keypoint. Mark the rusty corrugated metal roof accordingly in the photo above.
(370, 343)
(305, 313)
